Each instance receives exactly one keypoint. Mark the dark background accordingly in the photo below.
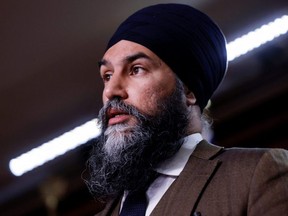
(49, 84)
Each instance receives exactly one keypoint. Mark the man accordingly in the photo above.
(159, 70)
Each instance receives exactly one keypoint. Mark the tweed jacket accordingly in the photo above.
(220, 182)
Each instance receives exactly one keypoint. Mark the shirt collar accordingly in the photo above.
(174, 166)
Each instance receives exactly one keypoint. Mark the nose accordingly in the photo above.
(115, 88)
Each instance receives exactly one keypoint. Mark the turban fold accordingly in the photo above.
(187, 40)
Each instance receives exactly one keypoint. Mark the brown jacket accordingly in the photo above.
(218, 181)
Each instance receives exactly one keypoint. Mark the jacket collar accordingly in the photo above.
(186, 191)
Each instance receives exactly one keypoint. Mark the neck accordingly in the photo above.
(195, 125)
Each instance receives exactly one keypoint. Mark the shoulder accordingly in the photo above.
(243, 158)
(276, 155)
(255, 178)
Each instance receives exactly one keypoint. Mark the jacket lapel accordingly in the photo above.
(185, 192)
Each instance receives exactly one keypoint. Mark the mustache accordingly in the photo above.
(120, 105)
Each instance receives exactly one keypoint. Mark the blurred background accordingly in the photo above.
(50, 84)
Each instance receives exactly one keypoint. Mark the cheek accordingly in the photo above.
(150, 98)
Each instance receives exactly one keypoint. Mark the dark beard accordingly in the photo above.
(129, 164)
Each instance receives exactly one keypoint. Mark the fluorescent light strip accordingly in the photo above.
(80, 135)
(56, 147)
(256, 38)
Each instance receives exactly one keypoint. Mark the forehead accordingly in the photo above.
(123, 49)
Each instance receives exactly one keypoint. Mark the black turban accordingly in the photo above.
(187, 40)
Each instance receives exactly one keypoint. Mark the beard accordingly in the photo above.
(124, 157)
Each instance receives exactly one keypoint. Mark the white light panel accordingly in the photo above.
(258, 37)
(56, 147)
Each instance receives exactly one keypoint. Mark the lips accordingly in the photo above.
(116, 116)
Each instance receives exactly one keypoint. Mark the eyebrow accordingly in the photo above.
(136, 56)
(127, 59)
(102, 62)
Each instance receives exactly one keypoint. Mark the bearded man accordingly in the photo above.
(160, 68)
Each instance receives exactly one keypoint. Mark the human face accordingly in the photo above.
(137, 76)
(124, 157)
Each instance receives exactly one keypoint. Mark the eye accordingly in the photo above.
(136, 70)
(106, 77)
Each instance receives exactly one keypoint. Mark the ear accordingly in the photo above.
(190, 97)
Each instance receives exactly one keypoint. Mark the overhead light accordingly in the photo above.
(56, 147)
(256, 38)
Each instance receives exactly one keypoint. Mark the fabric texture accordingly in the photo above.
(187, 40)
(218, 182)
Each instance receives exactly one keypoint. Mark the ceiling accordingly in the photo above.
(50, 84)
